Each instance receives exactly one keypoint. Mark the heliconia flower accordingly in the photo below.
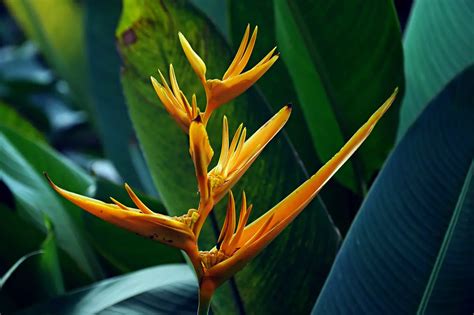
(234, 82)
(174, 100)
(238, 244)
(234, 159)
(173, 231)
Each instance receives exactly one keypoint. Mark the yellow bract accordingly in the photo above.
(238, 242)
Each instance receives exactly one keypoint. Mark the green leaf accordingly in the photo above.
(35, 198)
(387, 259)
(122, 249)
(48, 265)
(217, 12)
(164, 289)
(438, 45)
(15, 266)
(450, 285)
(57, 29)
(147, 39)
(114, 124)
(276, 87)
(345, 59)
(18, 236)
(12, 120)
(78, 42)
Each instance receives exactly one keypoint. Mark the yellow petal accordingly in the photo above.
(171, 104)
(243, 57)
(250, 151)
(284, 212)
(196, 62)
(154, 226)
(238, 55)
(201, 153)
(221, 92)
(292, 205)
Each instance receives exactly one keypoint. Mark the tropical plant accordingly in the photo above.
(390, 234)
(237, 242)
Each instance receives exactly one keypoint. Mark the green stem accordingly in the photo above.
(204, 304)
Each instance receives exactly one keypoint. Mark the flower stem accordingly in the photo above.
(204, 304)
(206, 290)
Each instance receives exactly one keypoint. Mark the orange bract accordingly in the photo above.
(234, 82)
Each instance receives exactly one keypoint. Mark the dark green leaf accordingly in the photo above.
(277, 86)
(116, 130)
(216, 11)
(345, 60)
(387, 259)
(167, 289)
(15, 266)
(148, 39)
(12, 120)
(438, 45)
(449, 289)
(48, 265)
(19, 159)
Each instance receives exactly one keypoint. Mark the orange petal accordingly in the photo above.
(221, 92)
(251, 149)
(238, 55)
(156, 226)
(196, 62)
(284, 212)
(171, 104)
(248, 52)
(292, 205)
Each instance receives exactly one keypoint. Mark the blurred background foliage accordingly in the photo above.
(76, 101)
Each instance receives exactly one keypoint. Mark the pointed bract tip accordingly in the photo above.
(45, 174)
(50, 182)
(153, 80)
(289, 106)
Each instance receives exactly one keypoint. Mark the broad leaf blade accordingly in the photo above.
(147, 36)
(392, 246)
(276, 87)
(171, 288)
(438, 45)
(48, 265)
(100, 21)
(12, 120)
(345, 60)
(36, 198)
(449, 289)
